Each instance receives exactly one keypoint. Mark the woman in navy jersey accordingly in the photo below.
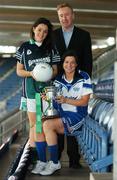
(75, 89)
(38, 49)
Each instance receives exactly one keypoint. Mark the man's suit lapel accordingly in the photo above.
(72, 38)
(61, 40)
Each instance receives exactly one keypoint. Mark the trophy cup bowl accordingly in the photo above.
(50, 111)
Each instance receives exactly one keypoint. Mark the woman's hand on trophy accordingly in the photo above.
(61, 99)
(43, 96)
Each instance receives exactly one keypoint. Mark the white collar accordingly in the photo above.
(38, 43)
(67, 80)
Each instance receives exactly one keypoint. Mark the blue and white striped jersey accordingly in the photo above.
(80, 86)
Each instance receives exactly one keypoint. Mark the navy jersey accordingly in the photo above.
(30, 54)
(71, 115)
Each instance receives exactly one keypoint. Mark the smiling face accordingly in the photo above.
(66, 17)
(69, 65)
(40, 32)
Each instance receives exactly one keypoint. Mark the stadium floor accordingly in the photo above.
(64, 174)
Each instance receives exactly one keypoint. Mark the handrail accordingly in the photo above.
(7, 74)
(10, 124)
(104, 62)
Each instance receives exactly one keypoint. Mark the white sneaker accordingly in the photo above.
(39, 167)
(50, 168)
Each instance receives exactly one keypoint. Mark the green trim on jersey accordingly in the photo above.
(31, 41)
(30, 91)
(32, 87)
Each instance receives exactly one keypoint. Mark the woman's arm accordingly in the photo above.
(75, 102)
(22, 72)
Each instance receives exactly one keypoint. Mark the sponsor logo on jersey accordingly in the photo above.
(36, 61)
(29, 52)
(76, 89)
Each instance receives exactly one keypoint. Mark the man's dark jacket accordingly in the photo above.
(81, 43)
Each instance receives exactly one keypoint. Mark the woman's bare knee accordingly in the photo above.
(53, 125)
(46, 125)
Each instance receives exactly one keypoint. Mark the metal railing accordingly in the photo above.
(15, 122)
(115, 124)
(104, 62)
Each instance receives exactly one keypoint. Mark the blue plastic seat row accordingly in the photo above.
(6, 65)
(9, 85)
(95, 140)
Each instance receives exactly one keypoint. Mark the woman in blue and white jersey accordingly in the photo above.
(75, 88)
(38, 49)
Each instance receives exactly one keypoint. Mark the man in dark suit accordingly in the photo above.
(68, 36)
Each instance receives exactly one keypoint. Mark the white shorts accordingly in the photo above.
(31, 105)
(28, 104)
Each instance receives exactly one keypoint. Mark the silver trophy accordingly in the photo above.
(49, 110)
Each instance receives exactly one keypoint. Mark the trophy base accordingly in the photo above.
(50, 117)
(51, 113)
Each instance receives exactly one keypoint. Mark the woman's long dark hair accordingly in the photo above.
(47, 43)
(70, 53)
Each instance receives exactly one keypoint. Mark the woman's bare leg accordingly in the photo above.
(32, 120)
(51, 128)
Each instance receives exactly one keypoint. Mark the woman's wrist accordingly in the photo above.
(30, 74)
(66, 100)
